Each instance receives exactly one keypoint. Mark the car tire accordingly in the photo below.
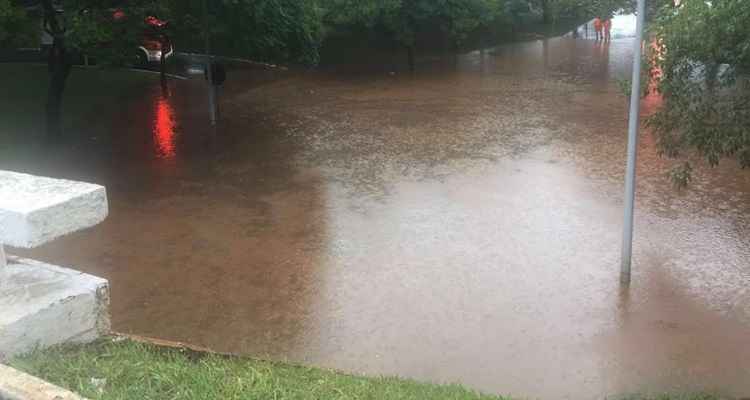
(141, 59)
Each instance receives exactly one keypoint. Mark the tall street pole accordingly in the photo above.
(209, 63)
(633, 125)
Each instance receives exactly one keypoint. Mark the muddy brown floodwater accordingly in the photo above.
(461, 225)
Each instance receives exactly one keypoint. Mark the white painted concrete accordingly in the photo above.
(35, 210)
(16, 385)
(43, 305)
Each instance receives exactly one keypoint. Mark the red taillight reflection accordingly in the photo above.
(164, 129)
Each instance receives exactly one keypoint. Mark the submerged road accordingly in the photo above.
(461, 225)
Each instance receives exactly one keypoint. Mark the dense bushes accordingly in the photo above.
(703, 68)
(293, 30)
(265, 30)
(16, 27)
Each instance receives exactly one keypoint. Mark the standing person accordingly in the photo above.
(598, 28)
(607, 29)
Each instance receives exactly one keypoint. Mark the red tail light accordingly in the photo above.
(155, 22)
(152, 45)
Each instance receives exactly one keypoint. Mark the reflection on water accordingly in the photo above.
(164, 128)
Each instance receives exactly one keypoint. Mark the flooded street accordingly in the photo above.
(459, 225)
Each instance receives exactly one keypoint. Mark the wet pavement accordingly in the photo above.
(459, 225)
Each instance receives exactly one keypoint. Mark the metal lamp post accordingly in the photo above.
(633, 125)
(209, 70)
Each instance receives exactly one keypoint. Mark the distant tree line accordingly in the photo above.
(288, 30)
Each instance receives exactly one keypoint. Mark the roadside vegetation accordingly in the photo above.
(112, 369)
(702, 72)
(15, 27)
(116, 369)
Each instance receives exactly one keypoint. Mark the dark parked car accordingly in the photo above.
(154, 42)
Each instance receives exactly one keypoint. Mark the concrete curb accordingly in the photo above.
(16, 385)
(148, 71)
(233, 59)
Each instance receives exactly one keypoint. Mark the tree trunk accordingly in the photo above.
(59, 70)
(395, 49)
(546, 14)
(410, 55)
(712, 77)
(455, 55)
(59, 67)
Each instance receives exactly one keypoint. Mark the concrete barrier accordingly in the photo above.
(15, 385)
(36, 210)
(44, 305)
(41, 304)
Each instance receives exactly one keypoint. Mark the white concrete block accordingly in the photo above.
(15, 385)
(42, 305)
(35, 210)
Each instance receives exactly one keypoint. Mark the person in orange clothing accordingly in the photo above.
(598, 28)
(607, 26)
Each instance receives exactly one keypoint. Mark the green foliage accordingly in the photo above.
(264, 30)
(704, 80)
(16, 28)
(594, 8)
(461, 17)
(403, 19)
(653, 7)
(606, 8)
(520, 11)
(556, 9)
(573, 8)
(127, 370)
(90, 28)
(267, 30)
(95, 32)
